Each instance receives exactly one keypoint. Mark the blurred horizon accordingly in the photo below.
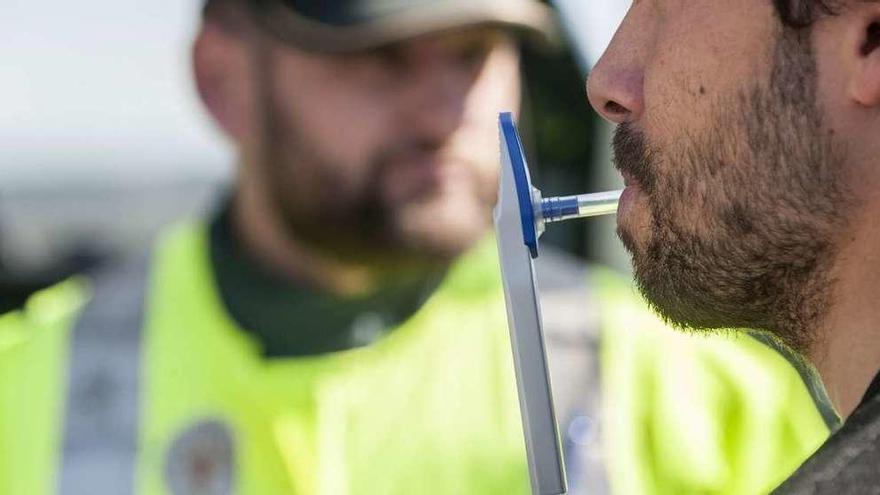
(103, 139)
(102, 92)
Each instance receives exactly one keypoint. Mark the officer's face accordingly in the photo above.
(391, 152)
(730, 139)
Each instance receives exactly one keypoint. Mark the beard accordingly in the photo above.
(746, 219)
(321, 205)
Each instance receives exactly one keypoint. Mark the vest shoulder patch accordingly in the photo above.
(201, 460)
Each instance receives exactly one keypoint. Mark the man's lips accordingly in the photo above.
(629, 196)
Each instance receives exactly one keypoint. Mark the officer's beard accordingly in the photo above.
(358, 225)
(746, 217)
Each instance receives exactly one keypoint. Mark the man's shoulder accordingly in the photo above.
(847, 463)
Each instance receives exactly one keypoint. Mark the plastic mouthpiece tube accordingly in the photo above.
(582, 206)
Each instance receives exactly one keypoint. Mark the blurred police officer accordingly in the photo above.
(337, 327)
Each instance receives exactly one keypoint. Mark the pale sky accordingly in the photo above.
(100, 88)
(591, 23)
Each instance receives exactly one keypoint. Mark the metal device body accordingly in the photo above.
(521, 215)
(512, 221)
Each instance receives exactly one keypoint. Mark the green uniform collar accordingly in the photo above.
(288, 319)
(811, 379)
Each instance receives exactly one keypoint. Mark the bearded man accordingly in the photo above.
(748, 139)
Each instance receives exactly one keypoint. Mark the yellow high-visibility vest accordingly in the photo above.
(690, 414)
(33, 345)
(431, 408)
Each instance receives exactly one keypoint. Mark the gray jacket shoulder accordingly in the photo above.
(848, 463)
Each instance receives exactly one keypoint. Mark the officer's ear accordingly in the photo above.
(223, 76)
(865, 79)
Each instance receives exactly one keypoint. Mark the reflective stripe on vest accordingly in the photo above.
(101, 417)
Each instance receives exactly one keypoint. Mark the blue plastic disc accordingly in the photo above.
(522, 180)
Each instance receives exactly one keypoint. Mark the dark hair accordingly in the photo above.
(217, 8)
(232, 15)
(799, 14)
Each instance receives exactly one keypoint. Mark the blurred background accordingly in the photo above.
(103, 140)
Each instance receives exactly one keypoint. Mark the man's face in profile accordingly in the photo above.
(389, 152)
(738, 185)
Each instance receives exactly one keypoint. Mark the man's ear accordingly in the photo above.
(865, 83)
(223, 77)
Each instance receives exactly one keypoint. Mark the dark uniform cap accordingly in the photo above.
(353, 25)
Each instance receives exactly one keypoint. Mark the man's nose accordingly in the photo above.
(615, 87)
(615, 90)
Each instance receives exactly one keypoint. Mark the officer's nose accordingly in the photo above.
(445, 107)
(437, 97)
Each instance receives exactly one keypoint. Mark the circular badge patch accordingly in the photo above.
(201, 460)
